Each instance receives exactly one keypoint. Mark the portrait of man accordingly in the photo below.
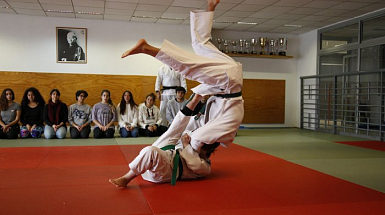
(71, 45)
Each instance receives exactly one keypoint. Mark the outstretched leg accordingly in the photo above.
(124, 180)
(211, 4)
(141, 47)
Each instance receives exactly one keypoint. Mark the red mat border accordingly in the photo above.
(375, 145)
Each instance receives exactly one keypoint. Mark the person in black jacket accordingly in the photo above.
(55, 117)
(32, 107)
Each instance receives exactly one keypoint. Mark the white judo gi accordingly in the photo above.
(156, 165)
(168, 77)
(217, 73)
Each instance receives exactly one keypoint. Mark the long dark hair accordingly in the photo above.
(57, 92)
(38, 98)
(3, 99)
(123, 102)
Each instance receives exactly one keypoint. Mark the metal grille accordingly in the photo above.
(348, 104)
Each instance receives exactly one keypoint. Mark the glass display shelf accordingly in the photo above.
(259, 56)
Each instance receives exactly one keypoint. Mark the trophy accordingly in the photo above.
(234, 43)
(219, 41)
(253, 44)
(272, 47)
(226, 44)
(241, 44)
(282, 46)
(262, 43)
(247, 45)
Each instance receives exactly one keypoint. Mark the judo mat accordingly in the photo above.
(74, 180)
(375, 145)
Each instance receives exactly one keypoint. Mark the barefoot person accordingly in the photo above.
(218, 74)
(161, 163)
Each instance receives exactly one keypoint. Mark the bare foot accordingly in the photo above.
(211, 4)
(119, 182)
(142, 47)
(138, 48)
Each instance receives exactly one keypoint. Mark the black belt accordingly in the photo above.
(169, 87)
(231, 95)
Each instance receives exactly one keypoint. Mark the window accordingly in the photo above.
(341, 36)
(373, 28)
(372, 58)
(340, 62)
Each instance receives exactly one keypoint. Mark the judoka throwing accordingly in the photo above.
(218, 74)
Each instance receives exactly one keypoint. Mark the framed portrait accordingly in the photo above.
(71, 45)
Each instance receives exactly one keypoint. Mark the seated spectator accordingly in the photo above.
(127, 111)
(104, 116)
(79, 116)
(32, 108)
(175, 105)
(150, 120)
(55, 117)
(10, 115)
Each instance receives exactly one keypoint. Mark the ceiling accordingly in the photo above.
(237, 15)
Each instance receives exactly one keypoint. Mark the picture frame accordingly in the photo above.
(71, 45)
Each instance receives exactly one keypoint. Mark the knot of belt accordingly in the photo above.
(177, 164)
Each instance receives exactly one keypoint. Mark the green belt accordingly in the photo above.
(175, 163)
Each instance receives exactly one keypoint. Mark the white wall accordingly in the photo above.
(28, 43)
(307, 62)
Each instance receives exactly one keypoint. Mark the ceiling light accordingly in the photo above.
(156, 17)
(69, 11)
(88, 13)
(247, 23)
(168, 18)
(297, 26)
(59, 11)
(5, 7)
(239, 23)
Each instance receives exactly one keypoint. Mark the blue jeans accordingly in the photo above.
(49, 133)
(125, 133)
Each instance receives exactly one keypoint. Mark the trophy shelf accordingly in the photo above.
(259, 56)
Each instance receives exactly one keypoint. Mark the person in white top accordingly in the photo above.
(150, 120)
(169, 79)
(218, 74)
(127, 111)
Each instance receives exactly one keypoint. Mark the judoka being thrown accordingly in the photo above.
(218, 74)
(162, 163)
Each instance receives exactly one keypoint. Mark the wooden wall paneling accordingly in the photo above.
(264, 99)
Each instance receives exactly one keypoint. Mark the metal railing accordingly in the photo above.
(348, 104)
